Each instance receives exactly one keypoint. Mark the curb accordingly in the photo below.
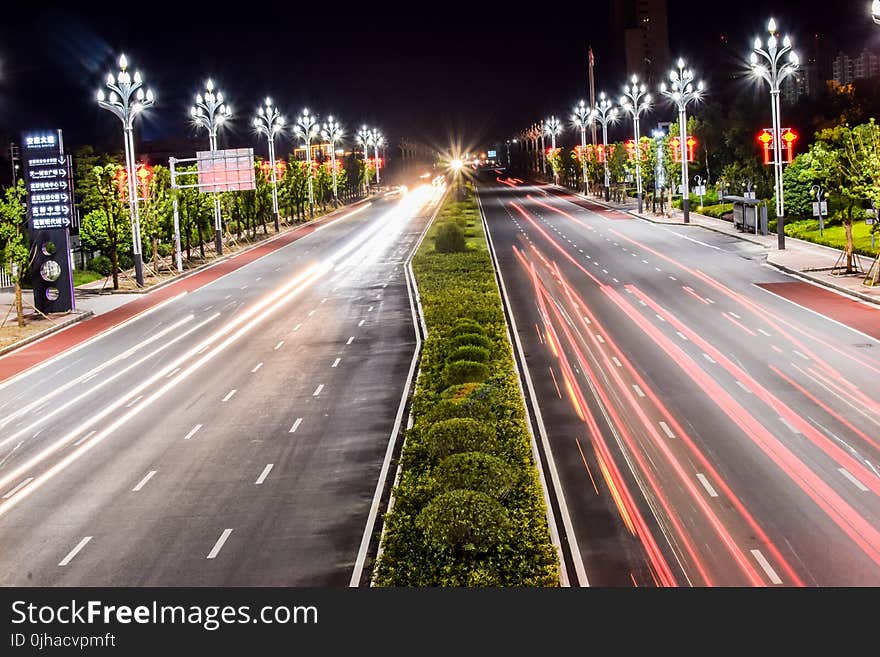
(837, 288)
(46, 332)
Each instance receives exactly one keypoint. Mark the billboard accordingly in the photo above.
(229, 170)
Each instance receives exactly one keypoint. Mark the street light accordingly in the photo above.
(541, 130)
(210, 112)
(376, 139)
(270, 123)
(771, 65)
(636, 102)
(553, 127)
(582, 116)
(126, 100)
(307, 128)
(605, 112)
(680, 92)
(332, 132)
(513, 141)
(363, 137)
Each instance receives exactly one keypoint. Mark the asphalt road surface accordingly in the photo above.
(233, 435)
(705, 429)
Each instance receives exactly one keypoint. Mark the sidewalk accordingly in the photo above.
(807, 260)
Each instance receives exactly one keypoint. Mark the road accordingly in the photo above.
(232, 435)
(705, 429)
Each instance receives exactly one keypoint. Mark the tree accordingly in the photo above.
(797, 181)
(13, 240)
(107, 226)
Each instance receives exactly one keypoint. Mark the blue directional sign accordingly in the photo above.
(48, 179)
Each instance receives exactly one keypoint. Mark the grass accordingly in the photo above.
(834, 235)
(82, 276)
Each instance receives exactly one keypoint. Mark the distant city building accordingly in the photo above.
(644, 25)
(800, 84)
(846, 69)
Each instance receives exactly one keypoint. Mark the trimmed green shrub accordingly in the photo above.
(470, 352)
(102, 265)
(464, 371)
(464, 520)
(475, 339)
(465, 326)
(450, 239)
(475, 471)
(459, 435)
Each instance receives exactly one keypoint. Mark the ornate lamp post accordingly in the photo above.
(210, 112)
(604, 112)
(582, 116)
(126, 100)
(307, 128)
(270, 123)
(553, 127)
(332, 132)
(636, 102)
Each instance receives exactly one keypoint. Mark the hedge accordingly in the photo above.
(468, 507)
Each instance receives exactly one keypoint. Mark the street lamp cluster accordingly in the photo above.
(126, 98)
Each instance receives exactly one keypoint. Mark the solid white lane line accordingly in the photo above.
(278, 346)
(296, 328)
(361, 323)
(192, 432)
(318, 390)
(604, 271)
(763, 332)
(229, 395)
(257, 366)
(134, 401)
(790, 428)
(263, 474)
(70, 555)
(712, 492)
(762, 561)
(350, 340)
(18, 488)
(638, 390)
(615, 280)
(295, 425)
(336, 362)
(173, 372)
(259, 278)
(86, 437)
(743, 386)
(666, 429)
(219, 544)
(143, 482)
(855, 482)
(616, 362)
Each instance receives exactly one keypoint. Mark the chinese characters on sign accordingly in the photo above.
(48, 181)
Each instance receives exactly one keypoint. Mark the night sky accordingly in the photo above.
(482, 73)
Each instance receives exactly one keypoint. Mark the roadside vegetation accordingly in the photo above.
(468, 508)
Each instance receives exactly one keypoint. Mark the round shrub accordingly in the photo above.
(450, 238)
(465, 371)
(466, 325)
(102, 265)
(464, 520)
(456, 435)
(126, 261)
(483, 473)
(470, 352)
(469, 338)
(461, 392)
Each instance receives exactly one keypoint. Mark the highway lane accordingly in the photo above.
(233, 436)
(706, 431)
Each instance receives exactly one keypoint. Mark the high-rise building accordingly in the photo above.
(846, 69)
(644, 26)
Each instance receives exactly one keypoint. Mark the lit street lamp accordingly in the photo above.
(513, 141)
(126, 100)
(307, 128)
(553, 127)
(332, 132)
(363, 137)
(680, 92)
(636, 102)
(582, 116)
(605, 112)
(376, 139)
(210, 112)
(270, 123)
(771, 65)
(541, 130)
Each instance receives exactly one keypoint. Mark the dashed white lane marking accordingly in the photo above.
(295, 425)
(763, 332)
(645, 261)
(134, 401)
(604, 271)
(192, 432)
(666, 429)
(616, 362)
(790, 428)
(219, 544)
(638, 390)
(18, 488)
(658, 269)
(229, 395)
(296, 328)
(743, 386)
(762, 561)
(264, 474)
(311, 312)
(708, 357)
(712, 492)
(70, 555)
(324, 299)
(370, 309)
(855, 482)
(797, 353)
(278, 346)
(318, 390)
(350, 340)
(660, 317)
(587, 320)
(243, 287)
(615, 280)
(673, 278)
(172, 373)
(361, 323)
(257, 366)
(681, 335)
(85, 438)
(600, 338)
(143, 482)
(336, 362)
(734, 315)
